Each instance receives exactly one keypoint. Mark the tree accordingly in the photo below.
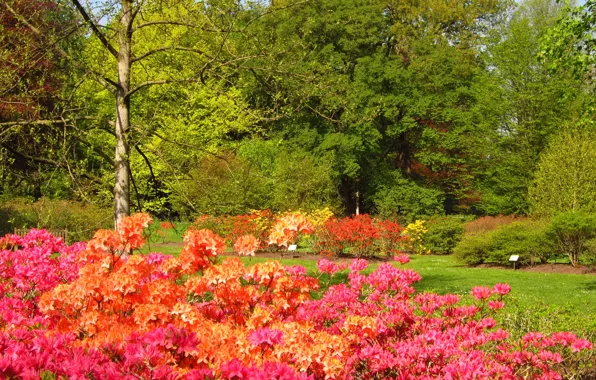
(566, 176)
(522, 104)
(570, 231)
(135, 38)
(572, 42)
(380, 86)
(33, 82)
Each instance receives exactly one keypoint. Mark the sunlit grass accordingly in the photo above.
(442, 274)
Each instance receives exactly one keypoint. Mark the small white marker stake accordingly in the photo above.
(513, 258)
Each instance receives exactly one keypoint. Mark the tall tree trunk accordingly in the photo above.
(122, 184)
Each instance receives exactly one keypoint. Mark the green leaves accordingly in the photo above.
(566, 177)
(571, 43)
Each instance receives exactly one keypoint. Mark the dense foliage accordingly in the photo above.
(85, 310)
(566, 177)
(361, 235)
(569, 235)
(525, 239)
(571, 231)
(237, 106)
(443, 233)
(80, 220)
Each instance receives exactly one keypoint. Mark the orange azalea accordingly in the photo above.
(150, 315)
(131, 228)
(287, 228)
(128, 236)
(105, 241)
(200, 249)
(246, 245)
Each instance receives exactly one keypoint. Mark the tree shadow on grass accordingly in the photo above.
(441, 283)
(591, 286)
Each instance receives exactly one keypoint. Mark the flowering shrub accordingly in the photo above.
(414, 241)
(127, 237)
(287, 229)
(256, 223)
(29, 266)
(246, 245)
(102, 315)
(318, 217)
(360, 234)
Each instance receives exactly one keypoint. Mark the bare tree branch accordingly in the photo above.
(153, 179)
(44, 122)
(95, 29)
(177, 23)
(97, 150)
(49, 162)
(166, 48)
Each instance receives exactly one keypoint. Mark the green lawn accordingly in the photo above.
(158, 235)
(538, 301)
(442, 274)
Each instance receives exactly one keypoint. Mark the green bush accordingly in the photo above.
(473, 249)
(79, 219)
(589, 257)
(527, 239)
(570, 231)
(444, 232)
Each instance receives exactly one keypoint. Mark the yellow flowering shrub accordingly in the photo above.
(415, 237)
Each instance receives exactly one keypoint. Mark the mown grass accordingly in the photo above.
(538, 301)
(442, 274)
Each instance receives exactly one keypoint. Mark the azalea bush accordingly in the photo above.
(415, 233)
(360, 235)
(91, 311)
(288, 228)
(257, 223)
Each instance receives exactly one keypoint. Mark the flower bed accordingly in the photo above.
(361, 235)
(87, 311)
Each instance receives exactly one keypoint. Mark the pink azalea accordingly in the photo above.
(501, 289)
(265, 336)
(402, 259)
(329, 267)
(481, 292)
(496, 305)
(358, 265)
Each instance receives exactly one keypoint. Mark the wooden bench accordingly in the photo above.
(54, 231)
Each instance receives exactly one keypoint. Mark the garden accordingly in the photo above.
(313, 189)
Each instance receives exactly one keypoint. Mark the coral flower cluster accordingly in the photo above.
(288, 227)
(83, 312)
